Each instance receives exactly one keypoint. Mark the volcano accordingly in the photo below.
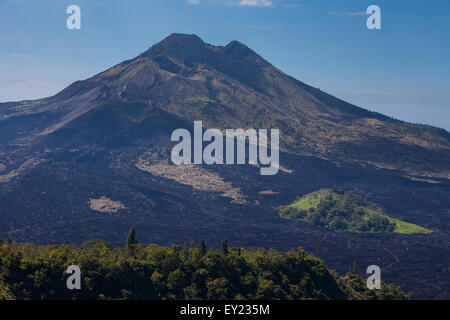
(94, 159)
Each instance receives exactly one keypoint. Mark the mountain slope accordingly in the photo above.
(231, 87)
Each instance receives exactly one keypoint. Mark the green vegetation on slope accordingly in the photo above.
(408, 228)
(344, 211)
(154, 272)
(5, 293)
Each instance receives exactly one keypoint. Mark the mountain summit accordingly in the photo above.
(190, 49)
(181, 46)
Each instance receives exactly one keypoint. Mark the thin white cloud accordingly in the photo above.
(20, 55)
(29, 89)
(293, 5)
(256, 3)
(193, 1)
(349, 14)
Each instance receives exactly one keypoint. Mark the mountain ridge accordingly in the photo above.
(233, 86)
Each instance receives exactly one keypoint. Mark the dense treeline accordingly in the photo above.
(29, 271)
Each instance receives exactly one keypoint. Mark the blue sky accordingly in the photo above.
(402, 70)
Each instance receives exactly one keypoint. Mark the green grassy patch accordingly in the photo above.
(345, 212)
(408, 228)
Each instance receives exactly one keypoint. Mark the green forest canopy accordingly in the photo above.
(29, 271)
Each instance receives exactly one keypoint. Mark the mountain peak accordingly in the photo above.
(182, 38)
(236, 44)
(179, 45)
(239, 50)
(189, 48)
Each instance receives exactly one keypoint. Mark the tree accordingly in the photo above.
(185, 252)
(96, 243)
(202, 248)
(131, 238)
(225, 246)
